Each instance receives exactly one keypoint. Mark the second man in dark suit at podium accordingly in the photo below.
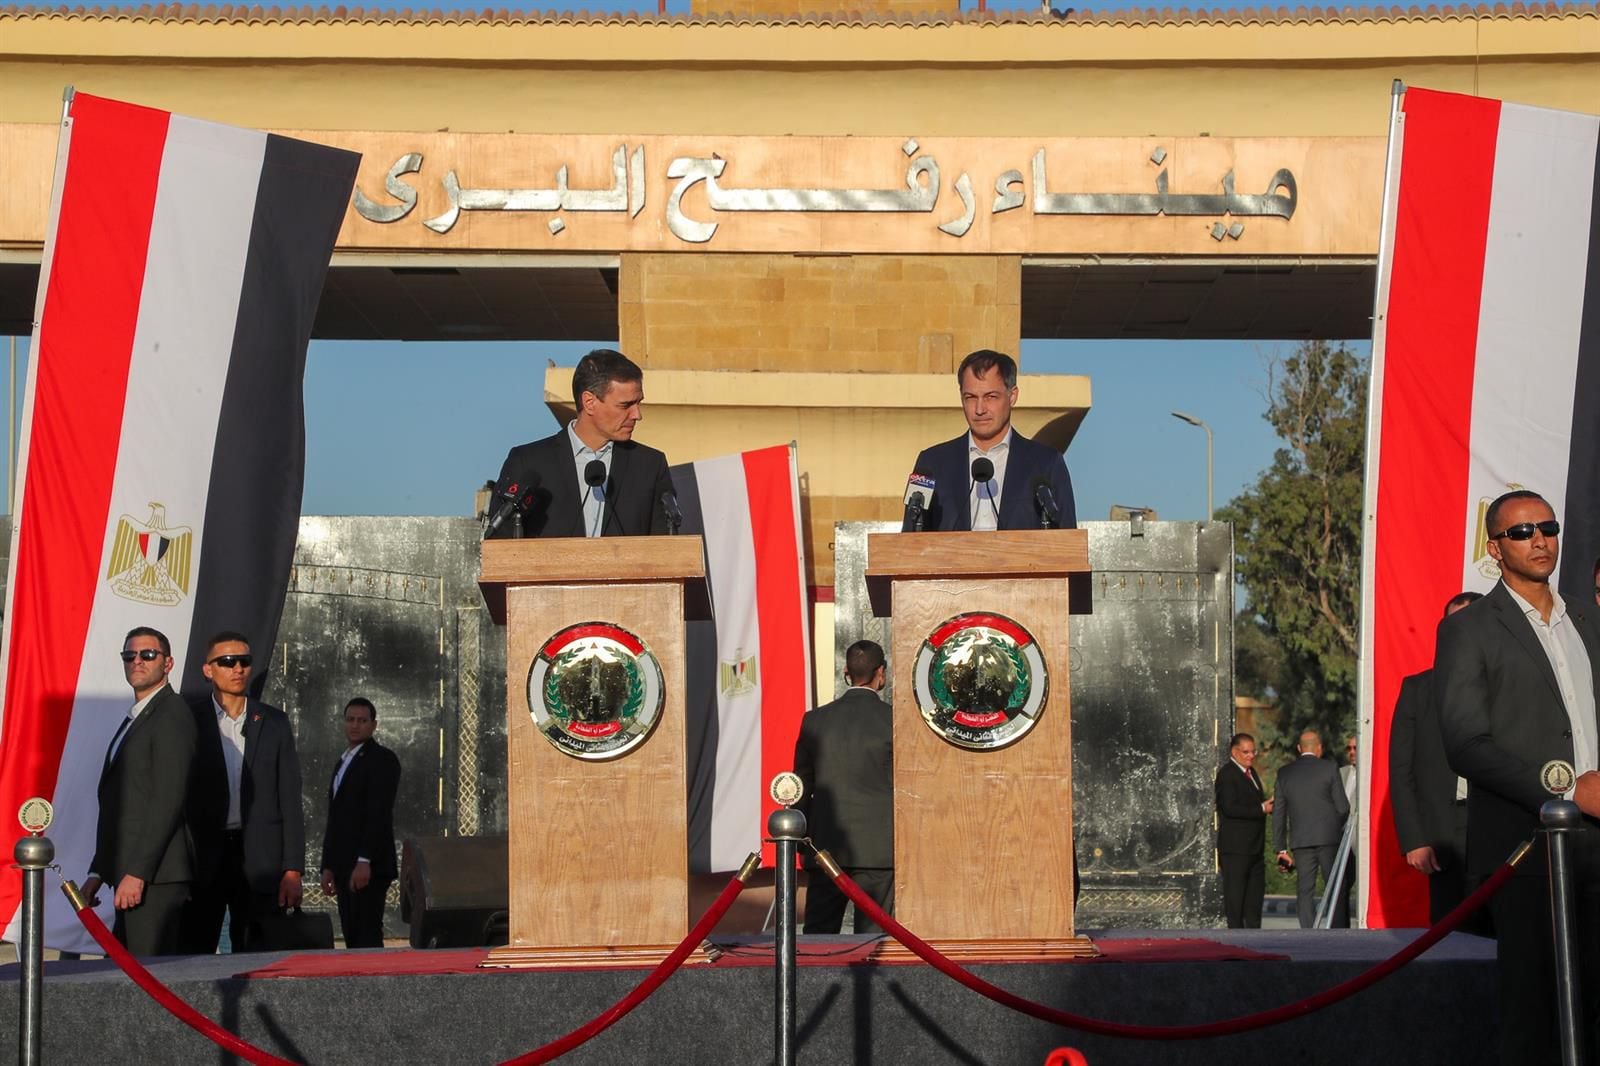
(1025, 479)
(591, 479)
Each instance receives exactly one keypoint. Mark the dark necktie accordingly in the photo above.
(111, 752)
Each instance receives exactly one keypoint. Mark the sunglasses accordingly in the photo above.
(1524, 530)
(228, 662)
(149, 655)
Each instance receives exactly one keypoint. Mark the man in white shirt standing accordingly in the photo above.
(141, 848)
(1514, 676)
(358, 844)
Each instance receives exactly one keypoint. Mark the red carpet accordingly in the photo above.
(393, 963)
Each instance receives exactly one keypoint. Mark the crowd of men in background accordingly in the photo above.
(201, 816)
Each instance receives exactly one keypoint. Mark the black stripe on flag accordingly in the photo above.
(700, 692)
(258, 466)
(1581, 518)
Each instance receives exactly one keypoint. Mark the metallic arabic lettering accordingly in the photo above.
(636, 183)
(958, 227)
(372, 212)
(557, 199)
(1162, 202)
(1004, 197)
(921, 194)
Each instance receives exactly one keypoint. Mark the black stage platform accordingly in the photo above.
(1440, 1009)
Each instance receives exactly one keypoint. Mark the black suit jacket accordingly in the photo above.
(361, 814)
(1421, 784)
(845, 757)
(1503, 719)
(1312, 802)
(272, 818)
(141, 826)
(947, 464)
(638, 478)
(1241, 823)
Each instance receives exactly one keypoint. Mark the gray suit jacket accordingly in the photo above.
(141, 828)
(845, 757)
(1503, 719)
(1310, 798)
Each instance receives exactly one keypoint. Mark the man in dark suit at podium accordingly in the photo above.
(992, 477)
(358, 844)
(845, 759)
(1242, 809)
(590, 478)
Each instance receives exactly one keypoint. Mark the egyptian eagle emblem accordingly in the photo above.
(150, 561)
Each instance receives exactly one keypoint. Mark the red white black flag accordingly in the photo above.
(162, 450)
(1485, 378)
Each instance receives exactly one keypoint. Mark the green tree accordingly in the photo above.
(1297, 538)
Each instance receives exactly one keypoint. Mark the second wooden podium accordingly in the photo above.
(595, 761)
(982, 736)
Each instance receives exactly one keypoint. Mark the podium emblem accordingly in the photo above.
(980, 681)
(595, 691)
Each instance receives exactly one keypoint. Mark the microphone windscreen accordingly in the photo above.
(594, 475)
(982, 469)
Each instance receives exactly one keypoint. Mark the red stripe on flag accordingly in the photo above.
(780, 611)
(1441, 229)
(91, 309)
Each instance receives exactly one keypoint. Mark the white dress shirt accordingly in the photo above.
(985, 498)
(344, 764)
(232, 732)
(127, 723)
(594, 499)
(1570, 661)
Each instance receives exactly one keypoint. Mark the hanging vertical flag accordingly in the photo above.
(162, 450)
(1485, 378)
(750, 668)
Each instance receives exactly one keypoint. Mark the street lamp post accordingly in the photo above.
(1193, 421)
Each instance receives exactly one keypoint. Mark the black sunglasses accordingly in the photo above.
(228, 662)
(149, 655)
(1524, 530)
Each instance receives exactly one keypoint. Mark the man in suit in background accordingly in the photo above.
(1025, 476)
(358, 844)
(141, 845)
(1430, 801)
(1310, 802)
(591, 478)
(244, 805)
(845, 758)
(1242, 809)
(1514, 676)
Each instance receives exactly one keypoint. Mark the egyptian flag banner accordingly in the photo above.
(1485, 378)
(162, 448)
(749, 669)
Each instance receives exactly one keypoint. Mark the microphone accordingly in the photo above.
(919, 496)
(982, 474)
(669, 504)
(1044, 501)
(594, 475)
(515, 499)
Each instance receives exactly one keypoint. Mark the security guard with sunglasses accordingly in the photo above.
(141, 850)
(1515, 681)
(244, 806)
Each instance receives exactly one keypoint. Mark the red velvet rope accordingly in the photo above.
(642, 991)
(1227, 1027)
(165, 996)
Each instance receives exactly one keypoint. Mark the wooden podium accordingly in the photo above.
(599, 846)
(983, 839)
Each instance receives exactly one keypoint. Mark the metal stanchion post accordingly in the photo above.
(34, 855)
(1559, 817)
(787, 828)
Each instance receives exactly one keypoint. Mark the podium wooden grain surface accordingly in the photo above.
(983, 839)
(598, 848)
